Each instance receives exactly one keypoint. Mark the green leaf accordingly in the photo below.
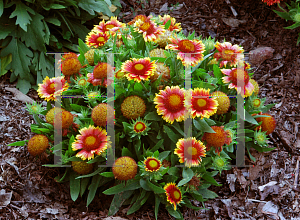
(4, 61)
(139, 202)
(23, 85)
(18, 143)
(284, 15)
(21, 56)
(171, 134)
(93, 189)
(155, 189)
(57, 6)
(167, 25)
(53, 20)
(1, 8)
(126, 152)
(205, 127)
(83, 47)
(144, 185)
(118, 200)
(158, 145)
(138, 87)
(210, 179)
(217, 73)
(107, 174)
(249, 118)
(207, 194)
(163, 155)
(153, 116)
(74, 186)
(157, 202)
(187, 175)
(100, 169)
(83, 185)
(92, 6)
(34, 36)
(297, 24)
(173, 212)
(21, 11)
(130, 185)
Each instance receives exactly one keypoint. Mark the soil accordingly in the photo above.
(244, 193)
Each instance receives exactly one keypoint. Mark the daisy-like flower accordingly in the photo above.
(149, 29)
(174, 195)
(170, 104)
(228, 53)
(271, 2)
(173, 26)
(195, 151)
(152, 164)
(50, 88)
(238, 76)
(202, 104)
(113, 25)
(96, 39)
(138, 17)
(99, 75)
(90, 141)
(190, 52)
(139, 127)
(139, 69)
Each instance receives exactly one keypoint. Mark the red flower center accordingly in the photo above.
(176, 195)
(139, 127)
(147, 27)
(228, 54)
(174, 102)
(100, 39)
(109, 26)
(139, 68)
(199, 104)
(51, 88)
(152, 164)
(238, 75)
(186, 46)
(90, 143)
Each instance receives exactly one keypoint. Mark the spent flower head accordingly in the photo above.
(34, 108)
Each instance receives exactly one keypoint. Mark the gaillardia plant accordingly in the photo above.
(139, 131)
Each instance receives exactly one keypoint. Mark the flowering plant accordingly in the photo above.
(170, 109)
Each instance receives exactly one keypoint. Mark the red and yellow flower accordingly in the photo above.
(170, 104)
(50, 88)
(152, 164)
(190, 51)
(194, 149)
(202, 104)
(90, 141)
(99, 75)
(138, 17)
(139, 69)
(271, 2)
(174, 195)
(173, 26)
(148, 28)
(228, 53)
(237, 78)
(96, 39)
(110, 26)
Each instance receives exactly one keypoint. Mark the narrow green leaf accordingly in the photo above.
(187, 175)
(158, 145)
(74, 186)
(53, 20)
(93, 189)
(210, 179)
(157, 202)
(83, 185)
(18, 143)
(126, 152)
(1, 8)
(139, 203)
(163, 155)
(118, 200)
(207, 194)
(249, 118)
(155, 188)
(130, 185)
(153, 116)
(205, 127)
(107, 174)
(167, 25)
(173, 212)
(171, 134)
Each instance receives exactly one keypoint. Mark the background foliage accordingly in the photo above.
(31, 28)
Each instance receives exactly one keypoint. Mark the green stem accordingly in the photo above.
(144, 86)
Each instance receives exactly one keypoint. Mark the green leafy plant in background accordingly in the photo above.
(293, 14)
(31, 28)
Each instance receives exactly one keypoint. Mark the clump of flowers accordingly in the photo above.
(148, 122)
